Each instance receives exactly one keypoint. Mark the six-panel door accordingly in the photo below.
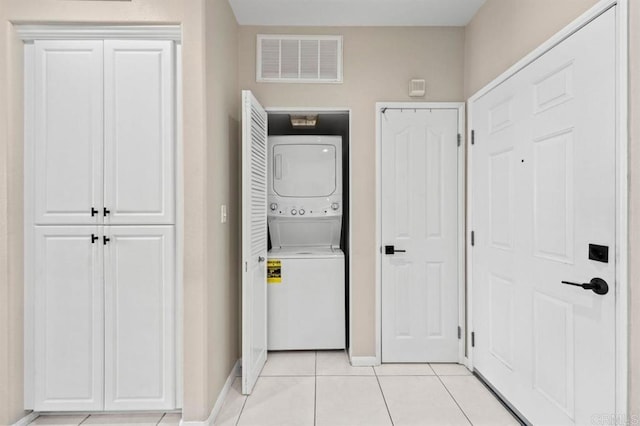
(69, 323)
(544, 191)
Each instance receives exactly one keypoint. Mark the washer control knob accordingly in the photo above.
(294, 212)
(335, 206)
(273, 206)
(301, 211)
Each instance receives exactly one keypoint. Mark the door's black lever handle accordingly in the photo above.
(597, 285)
(392, 250)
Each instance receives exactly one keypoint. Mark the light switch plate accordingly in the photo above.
(223, 213)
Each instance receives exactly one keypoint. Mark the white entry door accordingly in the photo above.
(419, 167)
(543, 212)
(254, 240)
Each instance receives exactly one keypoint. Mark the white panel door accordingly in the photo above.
(68, 319)
(419, 169)
(254, 240)
(68, 132)
(139, 132)
(139, 317)
(543, 190)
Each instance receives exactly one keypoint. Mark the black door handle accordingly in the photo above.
(392, 250)
(93, 212)
(597, 285)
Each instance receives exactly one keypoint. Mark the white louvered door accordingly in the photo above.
(254, 240)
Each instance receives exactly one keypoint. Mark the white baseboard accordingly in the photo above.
(235, 372)
(26, 419)
(364, 361)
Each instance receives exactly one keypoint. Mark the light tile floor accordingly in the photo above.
(322, 389)
(134, 419)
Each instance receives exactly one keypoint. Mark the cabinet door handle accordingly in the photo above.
(93, 211)
(94, 238)
(105, 240)
(105, 211)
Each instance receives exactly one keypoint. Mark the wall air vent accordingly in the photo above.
(299, 59)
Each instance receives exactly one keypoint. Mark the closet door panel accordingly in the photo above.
(69, 327)
(68, 112)
(139, 132)
(139, 315)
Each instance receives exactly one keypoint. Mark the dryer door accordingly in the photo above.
(304, 170)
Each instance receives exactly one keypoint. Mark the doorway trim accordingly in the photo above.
(460, 107)
(622, 186)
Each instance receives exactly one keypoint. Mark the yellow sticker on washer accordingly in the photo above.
(274, 271)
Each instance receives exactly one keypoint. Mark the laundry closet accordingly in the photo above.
(307, 196)
(295, 232)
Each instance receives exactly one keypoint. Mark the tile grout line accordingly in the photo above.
(375, 373)
(454, 400)
(315, 390)
(161, 417)
(241, 409)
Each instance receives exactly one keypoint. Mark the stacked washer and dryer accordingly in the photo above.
(306, 304)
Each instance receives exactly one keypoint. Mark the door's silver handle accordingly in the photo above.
(260, 259)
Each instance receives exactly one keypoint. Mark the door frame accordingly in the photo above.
(460, 108)
(622, 205)
(343, 110)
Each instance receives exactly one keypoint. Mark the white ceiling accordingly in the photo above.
(355, 12)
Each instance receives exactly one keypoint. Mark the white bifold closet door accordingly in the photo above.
(254, 240)
(543, 191)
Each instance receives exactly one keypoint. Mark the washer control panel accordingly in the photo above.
(309, 209)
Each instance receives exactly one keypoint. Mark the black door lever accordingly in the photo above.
(597, 285)
(392, 250)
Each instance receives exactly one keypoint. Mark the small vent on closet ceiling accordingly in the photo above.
(299, 59)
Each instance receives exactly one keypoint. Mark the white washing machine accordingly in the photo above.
(306, 284)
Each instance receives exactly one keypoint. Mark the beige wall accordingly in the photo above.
(223, 165)
(634, 205)
(378, 64)
(504, 31)
(206, 334)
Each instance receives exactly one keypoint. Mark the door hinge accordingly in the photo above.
(459, 332)
(473, 137)
(246, 266)
(473, 339)
(473, 238)
(459, 139)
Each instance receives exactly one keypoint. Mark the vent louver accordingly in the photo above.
(299, 59)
